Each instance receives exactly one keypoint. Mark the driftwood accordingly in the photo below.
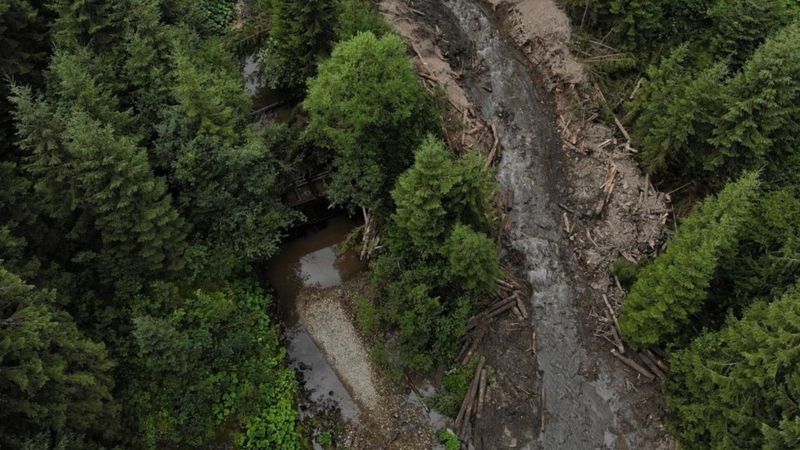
(608, 189)
(521, 305)
(472, 349)
(541, 410)
(616, 336)
(611, 311)
(417, 392)
(616, 120)
(268, 108)
(633, 365)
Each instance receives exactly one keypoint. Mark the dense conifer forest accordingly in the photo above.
(139, 196)
(715, 117)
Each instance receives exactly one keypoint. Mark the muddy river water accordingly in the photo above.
(313, 261)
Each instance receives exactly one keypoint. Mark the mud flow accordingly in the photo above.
(582, 405)
(313, 261)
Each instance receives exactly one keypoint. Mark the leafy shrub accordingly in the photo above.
(367, 316)
(448, 439)
(625, 271)
(455, 385)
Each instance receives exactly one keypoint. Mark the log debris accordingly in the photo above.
(481, 394)
(467, 405)
(633, 365)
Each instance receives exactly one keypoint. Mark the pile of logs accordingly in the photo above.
(649, 363)
(511, 295)
(473, 402)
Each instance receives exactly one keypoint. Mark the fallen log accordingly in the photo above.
(521, 305)
(633, 365)
(495, 145)
(481, 394)
(611, 311)
(268, 108)
(505, 283)
(541, 410)
(615, 335)
(501, 309)
(469, 399)
(472, 349)
(659, 362)
(417, 392)
(651, 365)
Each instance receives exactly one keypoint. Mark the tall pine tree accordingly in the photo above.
(301, 33)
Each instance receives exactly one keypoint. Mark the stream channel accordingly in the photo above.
(312, 260)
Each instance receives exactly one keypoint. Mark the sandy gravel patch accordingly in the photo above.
(327, 322)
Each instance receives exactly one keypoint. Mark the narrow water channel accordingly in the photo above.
(581, 409)
(313, 261)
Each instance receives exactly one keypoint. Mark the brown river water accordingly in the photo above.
(313, 261)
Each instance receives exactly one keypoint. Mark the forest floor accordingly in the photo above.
(577, 202)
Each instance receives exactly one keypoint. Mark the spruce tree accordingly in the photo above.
(740, 26)
(368, 106)
(767, 260)
(472, 258)
(437, 192)
(52, 378)
(761, 127)
(80, 23)
(663, 304)
(224, 173)
(301, 32)
(737, 388)
(422, 195)
(675, 109)
(102, 185)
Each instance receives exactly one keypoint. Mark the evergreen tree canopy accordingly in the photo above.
(52, 378)
(102, 183)
(472, 258)
(737, 388)
(356, 16)
(761, 125)
(367, 104)
(437, 192)
(301, 33)
(671, 291)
